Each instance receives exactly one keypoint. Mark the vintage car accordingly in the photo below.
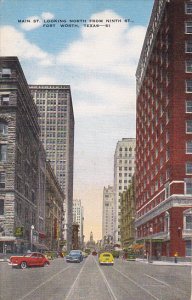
(106, 258)
(74, 256)
(94, 253)
(29, 260)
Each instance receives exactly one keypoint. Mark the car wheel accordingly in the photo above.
(23, 265)
(46, 264)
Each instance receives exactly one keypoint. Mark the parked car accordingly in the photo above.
(74, 256)
(106, 258)
(29, 260)
(85, 255)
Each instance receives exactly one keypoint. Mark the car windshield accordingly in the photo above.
(73, 254)
(106, 255)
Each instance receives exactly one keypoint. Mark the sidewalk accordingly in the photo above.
(164, 263)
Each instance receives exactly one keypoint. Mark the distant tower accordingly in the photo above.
(91, 237)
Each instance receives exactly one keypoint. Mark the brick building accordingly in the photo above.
(53, 210)
(22, 161)
(164, 131)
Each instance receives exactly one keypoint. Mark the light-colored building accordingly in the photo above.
(56, 120)
(124, 166)
(78, 217)
(108, 214)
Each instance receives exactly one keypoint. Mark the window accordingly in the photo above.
(188, 66)
(188, 186)
(2, 180)
(189, 86)
(3, 127)
(189, 126)
(189, 106)
(1, 207)
(3, 152)
(167, 191)
(189, 147)
(188, 46)
(189, 168)
(188, 220)
(6, 73)
(188, 8)
(5, 100)
(188, 248)
(188, 27)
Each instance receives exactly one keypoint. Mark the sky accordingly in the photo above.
(96, 52)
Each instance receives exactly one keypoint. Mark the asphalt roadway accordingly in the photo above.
(90, 281)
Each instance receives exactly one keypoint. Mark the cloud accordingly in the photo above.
(35, 22)
(14, 43)
(108, 50)
(100, 65)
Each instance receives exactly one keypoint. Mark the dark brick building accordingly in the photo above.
(164, 131)
(22, 161)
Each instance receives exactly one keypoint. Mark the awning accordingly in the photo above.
(40, 246)
(7, 238)
(136, 246)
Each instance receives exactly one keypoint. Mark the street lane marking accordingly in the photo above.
(133, 281)
(43, 283)
(164, 283)
(112, 295)
(72, 287)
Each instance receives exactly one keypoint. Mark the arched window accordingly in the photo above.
(3, 127)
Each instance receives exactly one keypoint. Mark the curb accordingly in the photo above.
(180, 264)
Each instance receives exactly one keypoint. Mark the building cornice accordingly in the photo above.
(152, 30)
(172, 201)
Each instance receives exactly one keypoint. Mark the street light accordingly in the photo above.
(32, 228)
(150, 250)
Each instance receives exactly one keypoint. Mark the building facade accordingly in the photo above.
(54, 211)
(78, 218)
(108, 214)
(124, 167)
(56, 120)
(164, 131)
(22, 161)
(128, 215)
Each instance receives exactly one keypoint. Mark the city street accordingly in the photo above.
(87, 280)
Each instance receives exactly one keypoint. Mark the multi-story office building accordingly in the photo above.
(56, 120)
(78, 218)
(22, 161)
(53, 211)
(108, 214)
(128, 215)
(164, 130)
(124, 167)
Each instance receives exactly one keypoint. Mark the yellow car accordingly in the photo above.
(106, 258)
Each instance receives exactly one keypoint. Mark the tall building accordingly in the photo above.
(78, 217)
(22, 162)
(124, 167)
(164, 131)
(56, 121)
(108, 214)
